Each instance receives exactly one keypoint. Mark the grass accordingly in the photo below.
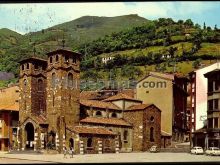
(209, 49)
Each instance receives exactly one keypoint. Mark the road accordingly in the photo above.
(108, 158)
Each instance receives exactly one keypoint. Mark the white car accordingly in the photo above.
(212, 151)
(154, 149)
(197, 150)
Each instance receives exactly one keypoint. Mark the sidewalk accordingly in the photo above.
(113, 157)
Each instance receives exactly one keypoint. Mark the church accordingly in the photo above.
(54, 114)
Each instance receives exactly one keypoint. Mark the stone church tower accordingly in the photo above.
(32, 96)
(49, 99)
(62, 90)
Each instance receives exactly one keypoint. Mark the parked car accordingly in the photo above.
(197, 150)
(212, 151)
(154, 149)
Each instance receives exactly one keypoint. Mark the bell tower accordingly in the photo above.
(63, 89)
(32, 83)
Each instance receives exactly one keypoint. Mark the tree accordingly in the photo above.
(216, 27)
(180, 22)
(204, 26)
(197, 26)
(189, 23)
(172, 51)
(197, 63)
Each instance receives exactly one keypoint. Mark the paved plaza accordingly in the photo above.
(106, 158)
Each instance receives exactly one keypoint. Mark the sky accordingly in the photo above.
(30, 17)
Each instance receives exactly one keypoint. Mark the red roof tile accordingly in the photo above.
(121, 96)
(107, 121)
(98, 104)
(88, 95)
(14, 107)
(138, 106)
(91, 130)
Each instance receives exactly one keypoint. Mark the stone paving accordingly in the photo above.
(113, 158)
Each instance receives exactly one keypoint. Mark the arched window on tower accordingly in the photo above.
(51, 59)
(114, 115)
(40, 85)
(99, 113)
(70, 80)
(25, 85)
(152, 134)
(53, 80)
(57, 58)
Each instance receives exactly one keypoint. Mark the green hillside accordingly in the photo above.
(138, 45)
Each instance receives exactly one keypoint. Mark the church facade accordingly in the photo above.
(53, 115)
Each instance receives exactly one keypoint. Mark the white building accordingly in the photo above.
(198, 95)
(106, 59)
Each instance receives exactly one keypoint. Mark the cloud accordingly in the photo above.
(36, 16)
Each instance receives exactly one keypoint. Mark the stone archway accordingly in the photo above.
(29, 132)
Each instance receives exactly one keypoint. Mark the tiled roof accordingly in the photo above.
(98, 104)
(9, 98)
(108, 121)
(138, 106)
(163, 133)
(14, 107)
(128, 92)
(121, 96)
(91, 130)
(88, 95)
(168, 76)
(33, 58)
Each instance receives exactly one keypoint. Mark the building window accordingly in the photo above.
(125, 135)
(74, 60)
(210, 86)
(40, 85)
(216, 122)
(210, 123)
(89, 142)
(98, 113)
(210, 105)
(53, 80)
(66, 58)
(27, 65)
(22, 67)
(216, 85)
(152, 134)
(152, 119)
(216, 103)
(36, 66)
(51, 59)
(70, 80)
(25, 84)
(114, 115)
(57, 58)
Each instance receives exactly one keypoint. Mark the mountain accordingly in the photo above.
(84, 29)
(138, 45)
(15, 47)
